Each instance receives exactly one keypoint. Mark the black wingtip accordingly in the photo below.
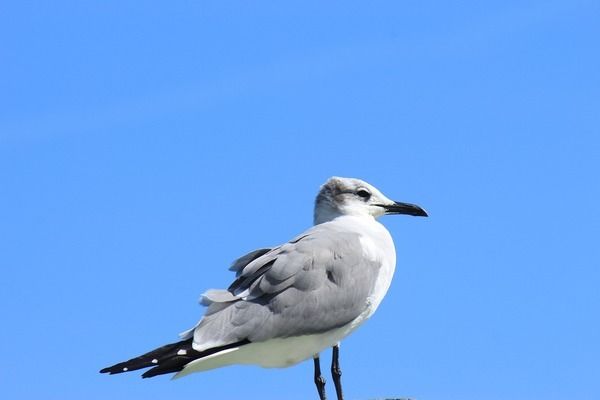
(111, 370)
(149, 359)
(167, 359)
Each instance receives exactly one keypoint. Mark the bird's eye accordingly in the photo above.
(363, 193)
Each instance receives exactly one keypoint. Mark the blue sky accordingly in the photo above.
(143, 146)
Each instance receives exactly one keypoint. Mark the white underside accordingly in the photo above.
(283, 352)
(274, 353)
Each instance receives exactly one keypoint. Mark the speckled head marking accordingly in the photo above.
(350, 196)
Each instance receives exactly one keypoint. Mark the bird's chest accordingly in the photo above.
(379, 247)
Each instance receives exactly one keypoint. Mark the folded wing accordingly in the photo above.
(300, 288)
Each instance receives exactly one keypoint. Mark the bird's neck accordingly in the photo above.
(327, 213)
(346, 219)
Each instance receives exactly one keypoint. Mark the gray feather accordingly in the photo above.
(244, 260)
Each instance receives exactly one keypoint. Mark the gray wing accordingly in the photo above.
(317, 282)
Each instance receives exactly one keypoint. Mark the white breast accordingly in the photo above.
(377, 245)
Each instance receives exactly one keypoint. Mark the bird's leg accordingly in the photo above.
(336, 372)
(319, 380)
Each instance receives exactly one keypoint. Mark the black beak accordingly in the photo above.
(404, 208)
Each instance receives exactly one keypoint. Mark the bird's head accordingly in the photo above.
(351, 196)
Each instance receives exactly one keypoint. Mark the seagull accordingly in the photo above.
(289, 303)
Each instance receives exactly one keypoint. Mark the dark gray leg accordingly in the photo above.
(319, 380)
(336, 372)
